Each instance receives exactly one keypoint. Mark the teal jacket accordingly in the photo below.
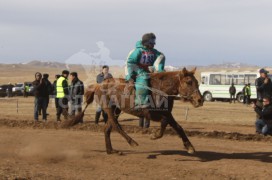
(141, 55)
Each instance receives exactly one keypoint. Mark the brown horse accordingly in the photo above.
(115, 95)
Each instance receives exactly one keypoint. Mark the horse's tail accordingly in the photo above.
(89, 95)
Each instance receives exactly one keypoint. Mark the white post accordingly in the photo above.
(17, 106)
(186, 112)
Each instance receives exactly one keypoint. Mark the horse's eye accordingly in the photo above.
(190, 82)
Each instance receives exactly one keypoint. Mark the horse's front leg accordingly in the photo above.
(159, 134)
(107, 132)
(187, 144)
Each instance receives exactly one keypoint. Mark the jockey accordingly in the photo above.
(141, 61)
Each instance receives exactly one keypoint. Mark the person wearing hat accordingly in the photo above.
(141, 61)
(62, 90)
(263, 87)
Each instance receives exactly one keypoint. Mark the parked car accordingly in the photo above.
(4, 88)
(18, 89)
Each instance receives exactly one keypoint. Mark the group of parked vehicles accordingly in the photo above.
(16, 89)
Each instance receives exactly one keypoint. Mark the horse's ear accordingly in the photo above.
(194, 70)
(184, 71)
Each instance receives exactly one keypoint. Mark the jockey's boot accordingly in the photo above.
(105, 116)
(97, 116)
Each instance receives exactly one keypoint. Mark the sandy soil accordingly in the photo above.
(222, 133)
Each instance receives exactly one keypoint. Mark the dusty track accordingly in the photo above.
(88, 126)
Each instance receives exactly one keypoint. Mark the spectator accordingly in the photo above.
(48, 91)
(232, 91)
(263, 87)
(248, 93)
(54, 90)
(244, 94)
(76, 94)
(26, 90)
(144, 122)
(264, 123)
(48, 86)
(9, 90)
(62, 95)
(40, 96)
(99, 79)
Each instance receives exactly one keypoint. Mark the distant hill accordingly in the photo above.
(222, 66)
(37, 63)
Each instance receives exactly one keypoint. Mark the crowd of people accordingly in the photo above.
(61, 91)
(263, 105)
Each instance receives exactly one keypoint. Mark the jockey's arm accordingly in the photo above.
(133, 63)
(159, 62)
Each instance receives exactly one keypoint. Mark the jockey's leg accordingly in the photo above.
(142, 81)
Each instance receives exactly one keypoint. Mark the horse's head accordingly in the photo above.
(188, 87)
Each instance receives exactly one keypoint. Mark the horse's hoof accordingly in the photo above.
(155, 137)
(133, 143)
(115, 152)
(191, 150)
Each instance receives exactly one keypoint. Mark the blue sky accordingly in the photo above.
(189, 32)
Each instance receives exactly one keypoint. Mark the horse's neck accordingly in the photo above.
(167, 82)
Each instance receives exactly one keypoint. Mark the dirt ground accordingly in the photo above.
(222, 134)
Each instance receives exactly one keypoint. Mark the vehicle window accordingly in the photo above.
(250, 78)
(215, 79)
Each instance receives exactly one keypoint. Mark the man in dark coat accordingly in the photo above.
(263, 87)
(264, 123)
(76, 94)
(40, 92)
(99, 79)
(232, 91)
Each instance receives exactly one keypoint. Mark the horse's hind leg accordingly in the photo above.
(190, 148)
(159, 134)
(119, 129)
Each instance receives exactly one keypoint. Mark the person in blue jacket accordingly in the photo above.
(141, 61)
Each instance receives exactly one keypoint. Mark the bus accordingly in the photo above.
(215, 85)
